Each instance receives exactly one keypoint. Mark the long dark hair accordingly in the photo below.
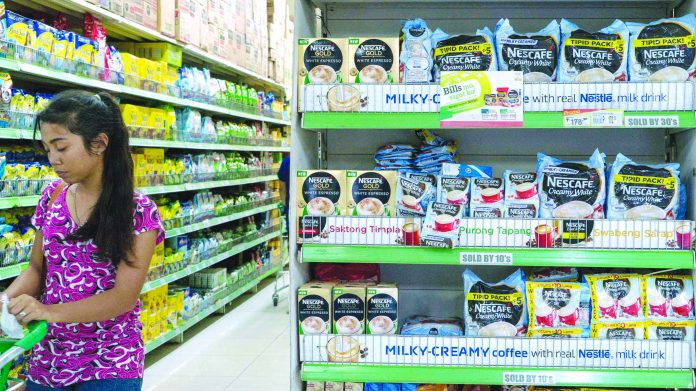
(110, 225)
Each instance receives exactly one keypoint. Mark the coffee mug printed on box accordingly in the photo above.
(453, 190)
(431, 194)
(382, 309)
(373, 60)
(314, 308)
(410, 197)
(669, 296)
(349, 309)
(320, 193)
(558, 304)
(486, 191)
(520, 187)
(371, 193)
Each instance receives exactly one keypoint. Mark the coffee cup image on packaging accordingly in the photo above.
(320, 193)
(670, 296)
(495, 309)
(343, 98)
(663, 50)
(558, 304)
(593, 57)
(535, 54)
(321, 60)
(371, 193)
(616, 296)
(373, 60)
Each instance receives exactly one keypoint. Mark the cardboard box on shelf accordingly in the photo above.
(134, 10)
(160, 51)
(116, 6)
(184, 24)
(166, 17)
(106, 4)
(150, 13)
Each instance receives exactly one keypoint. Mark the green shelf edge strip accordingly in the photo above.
(642, 259)
(600, 377)
(207, 263)
(12, 271)
(533, 120)
(217, 221)
(169, 335)
(63, 77)
(24, 134)
(18, 202)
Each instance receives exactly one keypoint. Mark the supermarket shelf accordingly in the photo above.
(206, 263)
(25, 134)
(18, 202)
(532, 120)
(128, 28)
(204, 185)
(218, 220)
(139, 142)
(638, 259)
(12, 271)
(495, 375)
(67, 78)
(169, 335)
(28, 201)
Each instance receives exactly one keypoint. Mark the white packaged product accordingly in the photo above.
(683, 330)
(521, 195)
(412, 197)
(463, 52)
(441, 225)
(571, 189)
(487, 197)
(453, 190)
(535, 54)
(616, 297)
(430, 179)
(558, 304)
(416, 59)
(664, 50)
(619, 330)
(643, 191)
(494, 309)
(589, 57)
(669, 297)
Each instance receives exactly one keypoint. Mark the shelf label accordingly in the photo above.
(591, 118)
(652, 121)
(481, 99)
(529, 378)
(477, 258)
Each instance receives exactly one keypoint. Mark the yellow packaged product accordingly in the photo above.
(130, 70)
(161, 77)
(147, 71)
(144, 120)
(85, 58)
(156, 123)
(20, 35)
(131, 116)
(161, 51)
(45, 40)
(169, 124)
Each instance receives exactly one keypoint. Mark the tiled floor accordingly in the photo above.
(246, 349)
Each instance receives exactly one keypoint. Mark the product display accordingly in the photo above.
(535, 54)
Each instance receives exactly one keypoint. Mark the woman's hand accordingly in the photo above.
(26, 309)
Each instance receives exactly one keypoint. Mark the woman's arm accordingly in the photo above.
(29, 281)
(104, 306)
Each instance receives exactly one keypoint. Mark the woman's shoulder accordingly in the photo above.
(146, 216)
(143, 202)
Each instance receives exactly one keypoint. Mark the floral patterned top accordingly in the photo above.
(77, 352)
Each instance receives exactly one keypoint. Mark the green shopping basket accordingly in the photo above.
(13, 348)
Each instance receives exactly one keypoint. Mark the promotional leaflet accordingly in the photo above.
(481, 99)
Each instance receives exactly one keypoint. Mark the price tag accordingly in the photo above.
(591, 118)
(476, 258)
(652, 121)
(529, 378)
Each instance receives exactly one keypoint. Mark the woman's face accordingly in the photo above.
(67, 154)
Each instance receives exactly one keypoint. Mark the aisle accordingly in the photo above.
(247, 349)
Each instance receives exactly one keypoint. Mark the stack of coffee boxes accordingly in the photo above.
(347, 308)
(521, 195)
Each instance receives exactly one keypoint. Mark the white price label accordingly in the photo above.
(529, 378)
(576, 121)
(607, 118)
(476, 258)
(652, 121)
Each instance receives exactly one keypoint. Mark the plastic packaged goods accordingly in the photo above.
(495, 309)
(558, 305)
(669, 297)
(463, 52)
(416, 61)
(20, 36)
(426, 325)
(571, 189)
(588, 57)
(412, 196)
(643, 191)
(535, 54)
(663, 50)
(616, 297)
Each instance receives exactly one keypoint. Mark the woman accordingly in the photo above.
(95, 237)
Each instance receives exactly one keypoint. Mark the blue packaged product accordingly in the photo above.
(45, 39)
(663, 50)
(426, 325)
(453, 53)
(587, 57)
(495, 309)
(85, 56)
(391, 387)
(642, 191)
(409, 387)
(416, 58)
(534, 54)
(571, 189)
(466, 170)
